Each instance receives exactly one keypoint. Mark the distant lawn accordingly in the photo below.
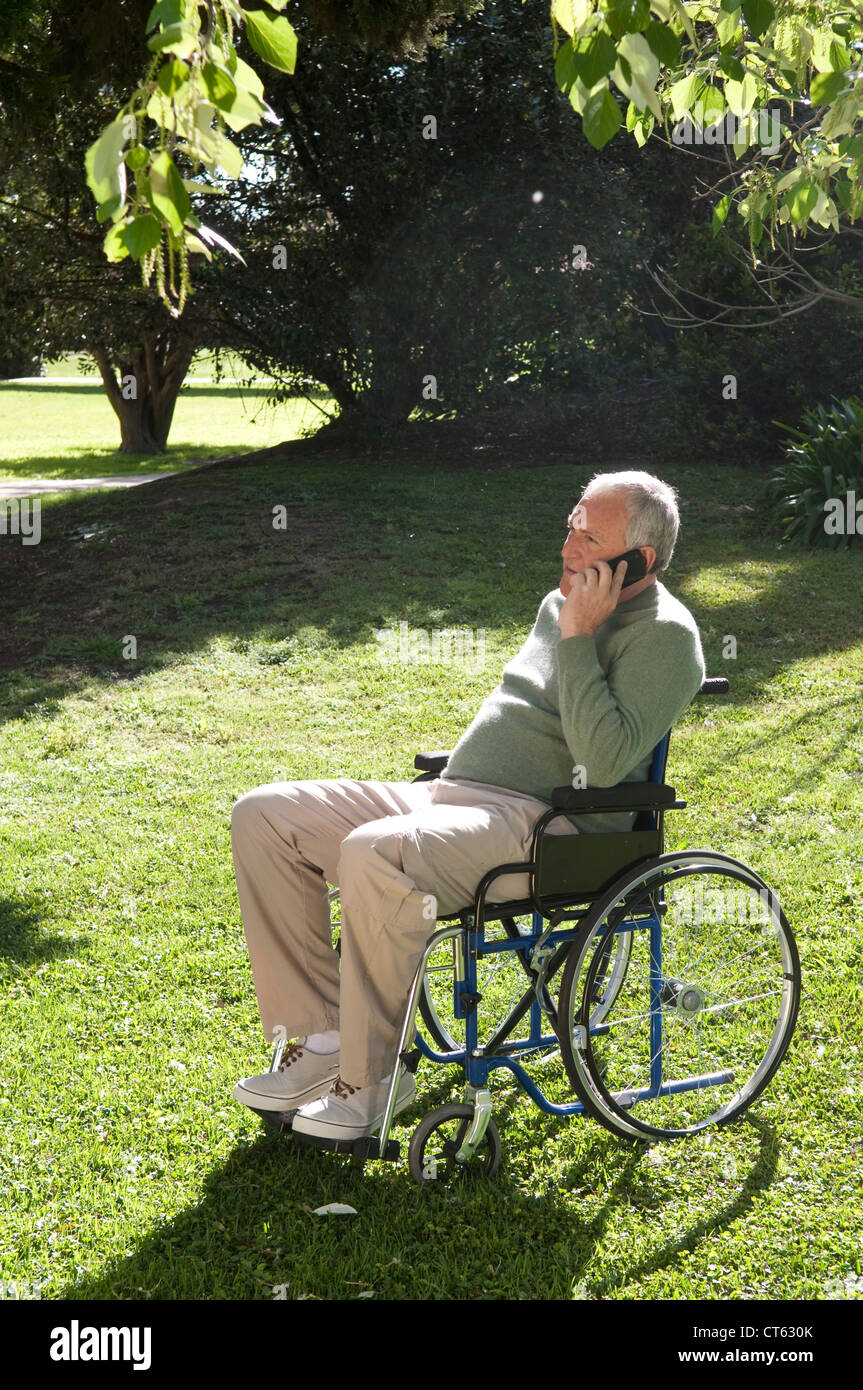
(70, 431)
(80, 364)
(128, 1172)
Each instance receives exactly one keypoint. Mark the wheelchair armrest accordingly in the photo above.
(626, 796)
(431, 762)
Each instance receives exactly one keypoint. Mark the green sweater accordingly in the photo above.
(601, 702)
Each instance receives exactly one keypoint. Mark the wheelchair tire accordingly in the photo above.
(435, 1026)
(436, 1140)
(697, 1030)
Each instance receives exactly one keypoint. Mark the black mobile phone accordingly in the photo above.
(636, 566)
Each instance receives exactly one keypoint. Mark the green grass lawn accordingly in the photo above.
(54, 430)
(127, 1169)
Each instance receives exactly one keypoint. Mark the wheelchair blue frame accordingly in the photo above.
(477, 1067)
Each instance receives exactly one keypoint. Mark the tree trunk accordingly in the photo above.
(143, 389)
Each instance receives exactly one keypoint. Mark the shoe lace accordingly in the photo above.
(342, 1089)
(293, 1052)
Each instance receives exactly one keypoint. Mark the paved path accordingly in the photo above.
(30, 487)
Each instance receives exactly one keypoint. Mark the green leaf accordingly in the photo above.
(664, 42)
(169, 197)
(179, 39)
(842, 117)
(141, 235)
(111, 209)
(742, 139)
(713, 104)
(106, 172)
(195, 186)
(571, 14)
(273, 39)
(802, 199)
(639, 82)
(720, 212)
(627, 16)
(246, 109)
(758, 15)
(195, 244)
(741, 96)
(218, 84)
(246, 77)
(727, 27)
(826, 86)
(840, 57)
(166, 12)
(564, 67)
(852, 146)
(683, 94)
(643, 129)
(594, 57)
(113, 245)
(137, 158)
(172, 76)
(579, 95)
(602, 117)
(731, 67)
(729, 6)
(640, 123)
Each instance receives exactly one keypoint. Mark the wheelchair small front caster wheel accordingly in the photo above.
(438, 1138)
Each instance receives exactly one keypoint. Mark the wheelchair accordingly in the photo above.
(667, 984)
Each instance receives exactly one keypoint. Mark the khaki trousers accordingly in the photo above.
(401, 853)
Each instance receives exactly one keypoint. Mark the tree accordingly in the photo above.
(54, 292)
(696, 62)
(430, 236)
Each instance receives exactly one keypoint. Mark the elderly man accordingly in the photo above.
(603, 675)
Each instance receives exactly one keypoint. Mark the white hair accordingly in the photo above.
(651, 510)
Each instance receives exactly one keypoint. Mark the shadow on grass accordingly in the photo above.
(182, 560)
(672, 1255)
(22, 940)
(254, 1230)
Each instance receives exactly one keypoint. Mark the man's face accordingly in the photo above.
(597, 531)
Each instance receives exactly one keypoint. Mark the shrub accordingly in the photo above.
(825, 462)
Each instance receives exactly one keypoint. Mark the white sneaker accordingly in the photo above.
(352, 1112)
(301, 1077)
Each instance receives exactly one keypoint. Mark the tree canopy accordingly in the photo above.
(774, 88)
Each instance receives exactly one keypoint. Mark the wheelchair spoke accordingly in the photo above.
(727, 998)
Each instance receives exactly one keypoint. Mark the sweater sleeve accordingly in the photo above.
(612, 720)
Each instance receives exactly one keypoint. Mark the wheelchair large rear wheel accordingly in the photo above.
(706, 1010)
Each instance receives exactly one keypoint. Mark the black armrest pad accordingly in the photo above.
(431, 762)
(629, 796)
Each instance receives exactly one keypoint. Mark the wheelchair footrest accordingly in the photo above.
(369, 1147)
(280, 1120)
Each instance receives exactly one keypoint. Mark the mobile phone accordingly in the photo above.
(636, 566)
